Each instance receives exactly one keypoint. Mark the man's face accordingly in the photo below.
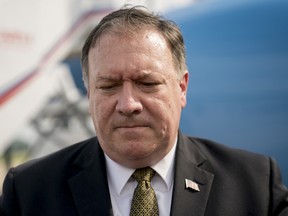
(135, 97)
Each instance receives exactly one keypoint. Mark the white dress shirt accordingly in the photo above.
(122, 185)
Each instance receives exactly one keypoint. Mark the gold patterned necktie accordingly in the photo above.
(144, 202)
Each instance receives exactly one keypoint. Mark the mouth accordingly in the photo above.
(131, 126)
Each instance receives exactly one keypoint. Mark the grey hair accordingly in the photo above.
(131, 20)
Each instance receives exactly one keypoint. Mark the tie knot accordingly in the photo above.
(143, 174)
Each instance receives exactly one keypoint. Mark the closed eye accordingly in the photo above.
(149, 84)
(109, 88)
(148, 87)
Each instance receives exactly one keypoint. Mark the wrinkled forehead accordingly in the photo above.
(131, 34)
(143, 52)
(112, 42)
(154, 38)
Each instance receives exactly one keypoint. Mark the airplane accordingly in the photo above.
(237, 56)
(37, 90)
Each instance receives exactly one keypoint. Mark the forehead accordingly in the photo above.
(117, 49)
(149, 37)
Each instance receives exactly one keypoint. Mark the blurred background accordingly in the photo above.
(237, 55)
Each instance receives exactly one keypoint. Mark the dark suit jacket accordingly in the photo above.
(73, 182)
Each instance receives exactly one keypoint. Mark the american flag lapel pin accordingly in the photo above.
(192, 185)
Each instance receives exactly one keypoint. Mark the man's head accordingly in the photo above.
(134, 67)
(130, 20)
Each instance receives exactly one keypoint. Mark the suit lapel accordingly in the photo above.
(188, 166)
(89, 185)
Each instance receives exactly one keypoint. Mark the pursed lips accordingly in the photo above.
(131, 129)
(131, 126)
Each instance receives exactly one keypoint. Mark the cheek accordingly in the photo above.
(173, 107)
(93, 105)
(164, 111)
(100, 110)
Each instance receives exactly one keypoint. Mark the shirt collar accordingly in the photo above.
(165, 168)
(119, 175)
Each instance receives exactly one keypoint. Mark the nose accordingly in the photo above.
(128, 102)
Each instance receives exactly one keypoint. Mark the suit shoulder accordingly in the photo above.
(215, 147)
(224, 156)
(57, 159)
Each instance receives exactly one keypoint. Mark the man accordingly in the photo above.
(134, 69)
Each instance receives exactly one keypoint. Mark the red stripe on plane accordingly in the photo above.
(14, 89)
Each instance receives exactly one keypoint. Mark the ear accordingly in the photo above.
(184, 87)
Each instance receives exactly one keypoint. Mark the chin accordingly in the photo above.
(136, 152)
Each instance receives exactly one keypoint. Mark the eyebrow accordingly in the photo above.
(104, 78)
(119, 78)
